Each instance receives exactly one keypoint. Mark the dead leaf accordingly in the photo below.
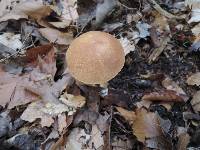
(156, 52)
(33, 53)
(102, 122)
(196, 30)
(195, 6)
(103, 9)
(143, 29)
(130, 116)
(166, 95)
(169, 84)
(145, 124)
(162, 11)
(6, 92)
(122, 143)
(160, 143)
(194, 79)
(183, 141)
(34, 111)
(160, 23)
(67, 12)
(196, 101)
(20, 95)
(143, 103)
(96, 141)
(35, 9)
(77, 139)
(127, 45)
(54, 35)
(73, 101)
(11, 40)
(62, 122)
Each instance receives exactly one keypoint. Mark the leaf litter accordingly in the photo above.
(137, 112)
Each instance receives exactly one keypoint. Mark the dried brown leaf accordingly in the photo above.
(194, 79)
(33, 53)
(128, 115)
(146, 125)
(183, 141)
(166, 95)
(34, 111)
(54, 35)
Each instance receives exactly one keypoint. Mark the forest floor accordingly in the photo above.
(153, 103)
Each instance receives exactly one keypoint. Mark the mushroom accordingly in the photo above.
(95, 57)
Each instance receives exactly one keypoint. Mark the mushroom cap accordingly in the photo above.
(95, 57)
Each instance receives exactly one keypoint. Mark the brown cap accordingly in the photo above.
(95, 57)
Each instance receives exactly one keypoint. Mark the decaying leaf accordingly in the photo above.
(56, 36)
(195, 6)
(166, 95)
(156, 52)
(194, 79)
(143, 103)
(103, 9)
(62, 122)
(35, 9)
(183, 141)
(33, 53)
(11, 40)
(128, 115)
(169, 84)
(34, 111)
(159, 142)
(73, 102)
(145, 124)
(96, 141)
(160, 23)
(196, 30)
(77, 139)
(143, 29)
(6, 92)
(196, 101)
(67, 10)
(127, 45)
(121, 143)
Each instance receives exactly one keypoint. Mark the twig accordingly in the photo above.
(162, 11)
(126, 6)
